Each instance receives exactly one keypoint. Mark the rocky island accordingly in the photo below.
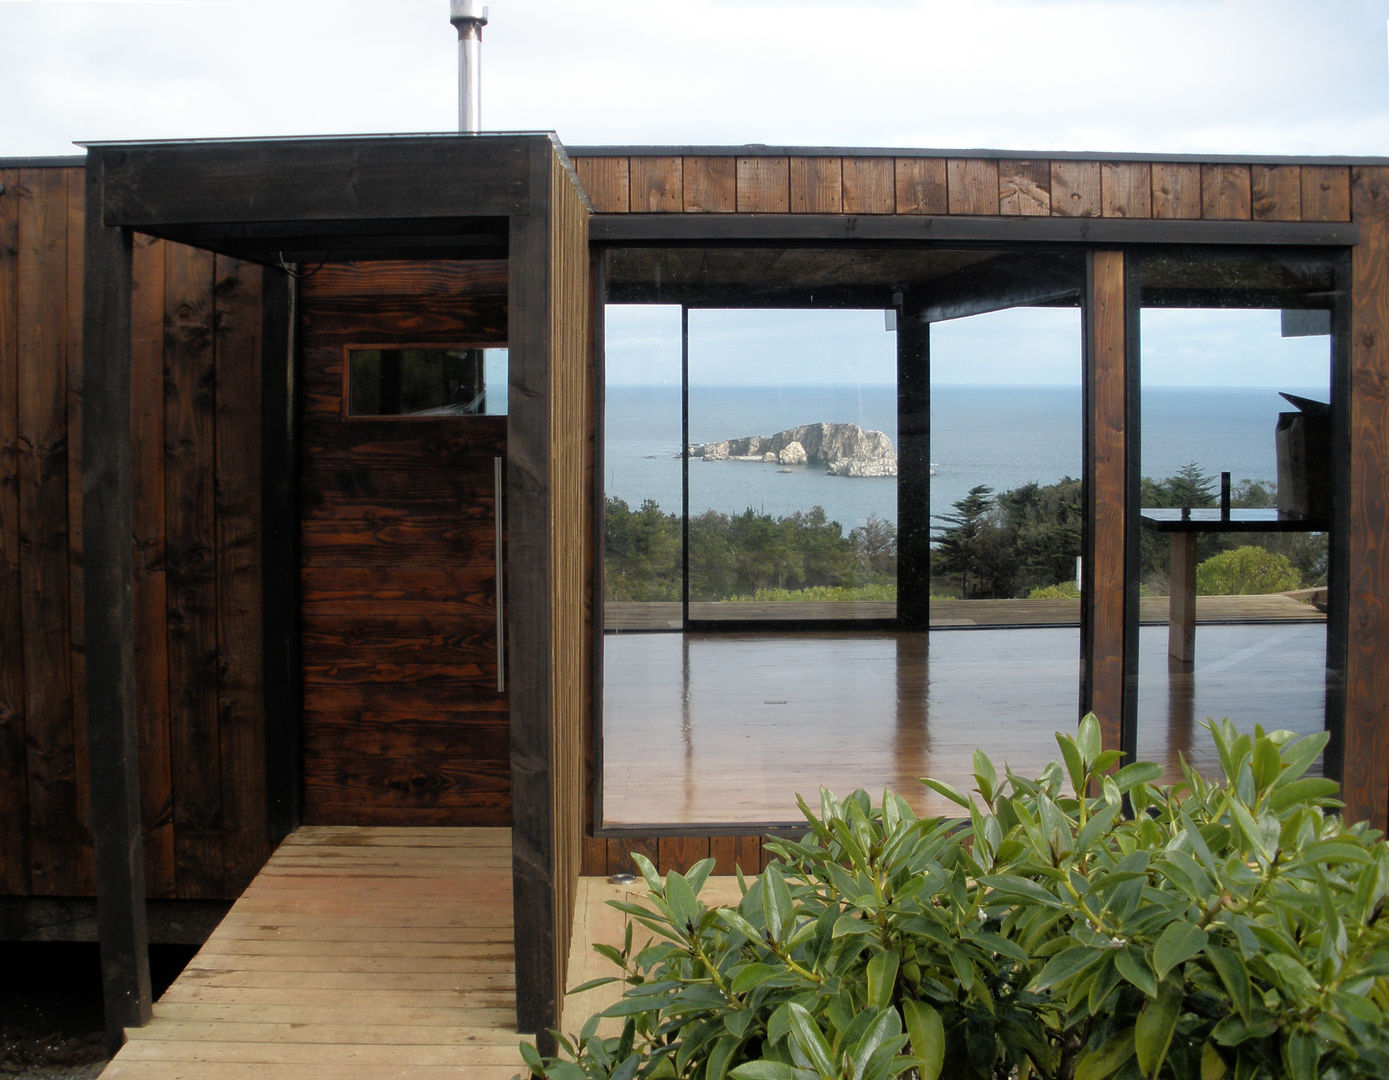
(842, 449)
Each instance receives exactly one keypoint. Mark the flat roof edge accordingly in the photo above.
(771, 150)
(51, 162)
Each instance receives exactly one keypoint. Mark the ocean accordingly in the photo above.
(1000, 436)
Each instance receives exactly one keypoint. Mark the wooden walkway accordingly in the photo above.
(356, 954)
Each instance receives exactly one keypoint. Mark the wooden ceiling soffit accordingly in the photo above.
(1006, 281)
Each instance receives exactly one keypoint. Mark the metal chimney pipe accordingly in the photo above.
(469, 17)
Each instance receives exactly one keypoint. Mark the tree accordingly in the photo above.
(963, 547)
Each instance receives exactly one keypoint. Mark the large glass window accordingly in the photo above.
(1236, 403)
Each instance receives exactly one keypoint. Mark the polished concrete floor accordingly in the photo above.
(726, 728)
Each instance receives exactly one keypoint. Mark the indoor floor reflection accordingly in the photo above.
(728, 727)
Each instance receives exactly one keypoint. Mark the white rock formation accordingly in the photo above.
(843, 449)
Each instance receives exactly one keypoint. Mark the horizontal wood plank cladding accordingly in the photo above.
(1075, 188)
(710, 185)
(972, 185)
(398, 563)
(817, 185)
(922, 187)
(1226, 192)
(397, 178)
(657, 185)
(14, 802)
(420, 769)
(764, 185)
(1365, 780)
(607, 182)
(1024, 188)
(869, 186)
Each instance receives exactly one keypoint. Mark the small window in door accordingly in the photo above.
(426, 381)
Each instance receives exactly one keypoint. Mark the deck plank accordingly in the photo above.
(355, 953)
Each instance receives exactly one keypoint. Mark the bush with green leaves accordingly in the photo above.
(1083, 925)
(1246, 571)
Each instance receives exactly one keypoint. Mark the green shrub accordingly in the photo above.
(1246, 571)
(1066, 590)
(1210, 931)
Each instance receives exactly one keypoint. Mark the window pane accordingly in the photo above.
(427, 382)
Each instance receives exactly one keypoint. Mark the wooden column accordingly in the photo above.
(913, 471)
(109, 621)
(1365, 781)
(1108, 612)
(1181, 590)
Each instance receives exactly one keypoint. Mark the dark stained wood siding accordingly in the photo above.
(403, 723)
(196, 592)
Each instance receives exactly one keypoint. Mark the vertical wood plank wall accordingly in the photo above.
(197, 581)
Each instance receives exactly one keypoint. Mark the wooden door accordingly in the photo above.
(405, 717)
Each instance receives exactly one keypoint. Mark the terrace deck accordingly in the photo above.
(1275, 607)
(356, 954)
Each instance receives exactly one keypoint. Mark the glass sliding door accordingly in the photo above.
(792, 464)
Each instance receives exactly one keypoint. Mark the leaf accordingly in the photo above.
(681, 899)
(1302, 1056)
(776, 901)
(882, 978)
(716, 1065)
(927, 1033)
(1088, 737)
(770, 1070)
(942, 788)
(1132, 964)
(806, 1035)
(1213, 1066)
(1234, 976)
(861, 1053)
(1066, 964)
(1075, 768)
(1011, 885)
(1105, 1063)
(1177, 944)
(1152, 1031)
(985, 775)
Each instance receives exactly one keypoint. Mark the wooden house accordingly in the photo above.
(233, 601)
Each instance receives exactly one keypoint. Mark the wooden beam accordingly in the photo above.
(750, 228)
(1011, 280)
(308, 180)
(109, 620)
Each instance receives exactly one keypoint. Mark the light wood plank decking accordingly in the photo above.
(356, 954)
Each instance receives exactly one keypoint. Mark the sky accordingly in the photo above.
(1278, 77)
(1164, 76)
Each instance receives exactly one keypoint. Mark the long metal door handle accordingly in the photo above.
(500, 596)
